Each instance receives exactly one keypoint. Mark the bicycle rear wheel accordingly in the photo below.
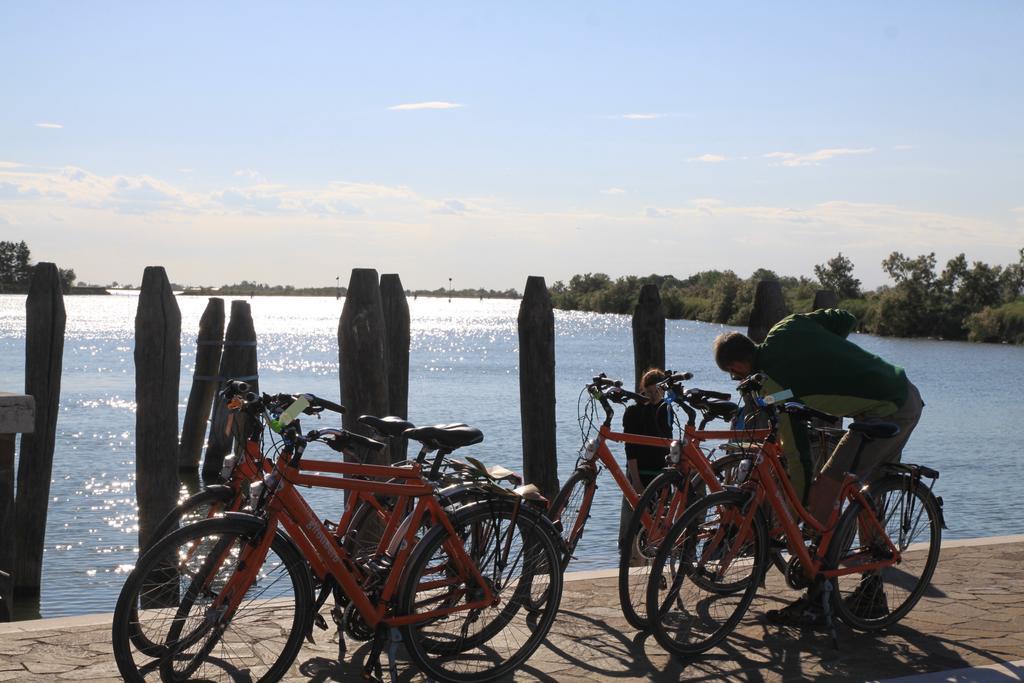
(171, 597)
(570, 509)
(515, 551)
(687, 614)
(911, 518)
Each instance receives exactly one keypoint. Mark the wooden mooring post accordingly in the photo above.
(362, 362)
(205, 380)
(648, 333)
(157, 373)
(648, 352)
(536, 324)
(769, 308)
(17, 416)
(396, 352)
(238, 361)
(44, 354)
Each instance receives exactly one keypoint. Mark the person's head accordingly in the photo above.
(649, 384)
(735, 353)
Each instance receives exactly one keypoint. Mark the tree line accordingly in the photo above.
(973, 301)
(16, 269)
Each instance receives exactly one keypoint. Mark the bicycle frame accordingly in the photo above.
(766, 476)
(327, 558)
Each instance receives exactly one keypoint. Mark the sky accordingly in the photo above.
(485, 142)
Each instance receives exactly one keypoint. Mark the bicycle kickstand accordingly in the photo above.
(371, 668)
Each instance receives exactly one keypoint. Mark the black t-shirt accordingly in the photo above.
(649, 420)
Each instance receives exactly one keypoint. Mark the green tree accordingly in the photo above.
(837, 274)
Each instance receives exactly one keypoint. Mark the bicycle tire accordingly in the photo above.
(205, 504)
(482, 644)
(909, 513)
(643, 543)
(262, 637)
(571, 502)
(695, 621)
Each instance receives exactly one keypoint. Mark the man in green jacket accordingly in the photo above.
(809, 354)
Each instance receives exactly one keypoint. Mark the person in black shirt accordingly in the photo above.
(644, 463)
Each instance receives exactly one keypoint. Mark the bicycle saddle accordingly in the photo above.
(449, 436)
(388, 426)
(875, 430)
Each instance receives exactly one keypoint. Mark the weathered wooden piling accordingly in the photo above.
(396, 352)
(825, 298)
(44, 353)
(157, 371)
(769, 308)
(205, 380)
(648, 333)
(648, 352)
(238, 361)
(537, 386)
(361, 355)
(17, 416)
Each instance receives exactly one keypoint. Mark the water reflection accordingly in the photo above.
(463, 367)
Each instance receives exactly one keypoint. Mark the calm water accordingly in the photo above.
(463, 367)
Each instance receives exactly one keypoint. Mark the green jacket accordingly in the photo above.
(809, 354)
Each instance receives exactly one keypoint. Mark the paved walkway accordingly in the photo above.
(972, 616)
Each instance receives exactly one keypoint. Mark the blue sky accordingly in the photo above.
(488, 142)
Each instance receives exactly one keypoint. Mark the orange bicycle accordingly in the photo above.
(870, 562)
(471, 592)
(570, 508)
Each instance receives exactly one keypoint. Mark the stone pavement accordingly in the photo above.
(972, 616)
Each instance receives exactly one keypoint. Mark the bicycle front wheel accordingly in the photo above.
(570, 509)
(662, 503)
(911, 518)
(175, 596)
(707, 547)
(206, 504)
(514, 549)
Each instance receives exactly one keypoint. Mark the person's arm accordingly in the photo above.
(836, 320)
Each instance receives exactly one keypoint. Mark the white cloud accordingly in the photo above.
(425, 105)
(613, 191)
(49, 125)
(10, 164)
(814, 158)
(641, 117)
(251, 174)
(709, 158)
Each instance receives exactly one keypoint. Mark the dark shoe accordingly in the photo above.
(803, 612)
(868, 601)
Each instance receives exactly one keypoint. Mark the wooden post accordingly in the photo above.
(537, 386)
(648, 352)
(239, 362)
(17, 416)
(205, 380)
(157, 373)
(361, 355)
(648, 333)
(44, 352)
(825, 298)
(396, 352)
(769, 308)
